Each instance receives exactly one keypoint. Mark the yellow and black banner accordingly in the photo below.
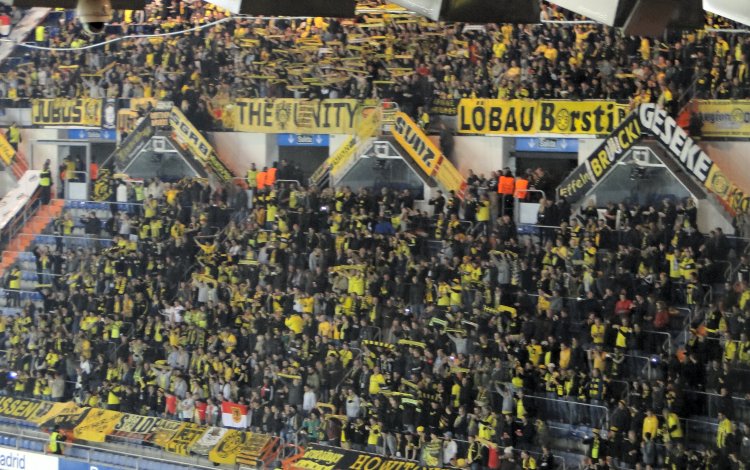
(100, 425)
(289, 115)
(26, 410)
(233, 444)
(416, 143)
(97, 425)
(85, 112)
(602, 160)
(165, 431)
(426, 154)
(613, 148)
(525, 117)
(318, 457)
(724, 118)
(134, 429)
(182, 440)
(7, 152)
(189, 136)
(735, 199)
(341, 156)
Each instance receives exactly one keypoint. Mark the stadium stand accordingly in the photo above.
(388, 56)
(355, 320)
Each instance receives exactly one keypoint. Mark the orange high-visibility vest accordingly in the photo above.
(521, 186)
(505, 185)
(270, 176)
(260, 179)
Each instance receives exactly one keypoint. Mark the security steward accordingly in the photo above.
(45, 183)
(55, 441)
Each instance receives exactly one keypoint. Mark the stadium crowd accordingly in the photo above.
(355, 319)
(386, 56)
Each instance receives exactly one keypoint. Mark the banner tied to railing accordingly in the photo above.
(221, 446)
(320, 457)
(532, 117)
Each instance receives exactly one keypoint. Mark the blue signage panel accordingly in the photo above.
(303, 140)
(92, 134)
(74, 465)
(542, 144)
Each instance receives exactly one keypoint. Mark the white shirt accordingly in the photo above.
(450, 449)
(308, 401)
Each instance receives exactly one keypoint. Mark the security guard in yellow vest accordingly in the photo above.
(114, 391)
(252, 183)
(673, 429)
(14, 136)
(45, 183)
(14, 284)
(54, 441)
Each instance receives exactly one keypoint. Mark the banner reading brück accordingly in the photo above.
(83, 112)
(288, 115)
(526, 117)
(602, 160)
(724, 118)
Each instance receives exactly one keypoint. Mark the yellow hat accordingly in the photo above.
(420, 428)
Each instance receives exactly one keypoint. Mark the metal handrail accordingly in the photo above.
(351, 369)
(668, 340)
(20, 434)
(566, 402)
(69, 202)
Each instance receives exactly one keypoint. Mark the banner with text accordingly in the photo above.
(413, 139)
(661, 125)
(724, 118)
(27, 410)
(427, 155)
(445, 106)
(288, 115)
(134, 429)
(236, 445)
(187, 135)
(320, 457)
(14, 459)
(97, 425)
(524, 117)
(601, 161)
(80, 112)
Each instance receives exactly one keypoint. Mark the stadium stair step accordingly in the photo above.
(19, 165)
(35, 225)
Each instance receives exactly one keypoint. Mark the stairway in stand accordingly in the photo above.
(35, 226)
(19, 165)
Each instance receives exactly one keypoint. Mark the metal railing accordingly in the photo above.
(62, 240)
(18, 221)
(87, 453)
(570, 411)
(73, 203)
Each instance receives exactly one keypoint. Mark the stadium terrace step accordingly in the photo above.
(36, 225)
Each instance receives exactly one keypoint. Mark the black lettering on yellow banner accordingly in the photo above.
(296, 116)
(613, 148)
(66, 112)
(526, 117)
